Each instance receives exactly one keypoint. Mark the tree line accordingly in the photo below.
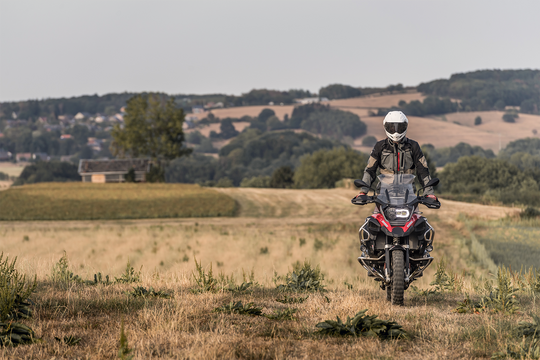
(511, 177)
(490, 89)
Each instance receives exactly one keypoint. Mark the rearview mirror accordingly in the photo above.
(433, 182)
(360, 183)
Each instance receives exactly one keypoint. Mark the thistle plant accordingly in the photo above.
(130, 275)
(303, 278)
(205, 281)
(363, 325)
(501, 299)
(61, 274)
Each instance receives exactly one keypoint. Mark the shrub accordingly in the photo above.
(48, 172)
(156, 174)
(282, 178)
(510, 117)
(363, 325)
(339, 91)
(130, 176)
(265, 114)
(529, 213)
(369, 141)
(477, 120)
(256, 182)
(303, 278)
(324, 168)
(224, 182)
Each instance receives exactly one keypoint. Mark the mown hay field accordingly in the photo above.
(87, 201)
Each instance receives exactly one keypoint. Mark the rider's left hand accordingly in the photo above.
(431, 196)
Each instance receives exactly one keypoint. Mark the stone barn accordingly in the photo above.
(113, 171)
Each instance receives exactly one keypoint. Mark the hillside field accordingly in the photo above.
(87, 201)
(273, 230)
(492, 134)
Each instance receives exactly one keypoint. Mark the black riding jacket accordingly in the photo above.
(405, 157)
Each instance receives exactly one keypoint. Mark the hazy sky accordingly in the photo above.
(54, 48)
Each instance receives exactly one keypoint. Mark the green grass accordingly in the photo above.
(83, 201)
(513, 243)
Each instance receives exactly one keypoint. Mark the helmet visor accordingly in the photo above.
(393, 128)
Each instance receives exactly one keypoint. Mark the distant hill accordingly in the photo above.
(490, 89)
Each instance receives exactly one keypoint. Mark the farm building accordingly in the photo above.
(107, 171)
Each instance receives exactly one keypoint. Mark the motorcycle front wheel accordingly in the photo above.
(398, 277)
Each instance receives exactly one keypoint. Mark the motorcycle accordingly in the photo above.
(396, 241)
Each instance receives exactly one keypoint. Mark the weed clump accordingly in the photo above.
(444, 281)
(285, 314)
(14, 292)
(303, 278)
(502, 299)
(530, 345)
(61, 274)
(238, 308)
(141, 291)
(124, 351)
(529, 213)
(292, 300)
(363, 325)
(129, 276)
(13, 334)
(205, 281)
(98, 279)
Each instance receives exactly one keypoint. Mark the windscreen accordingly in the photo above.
(396, 189)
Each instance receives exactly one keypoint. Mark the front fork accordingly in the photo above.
(393, 243)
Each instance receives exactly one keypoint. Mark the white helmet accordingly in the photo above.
(395, 125)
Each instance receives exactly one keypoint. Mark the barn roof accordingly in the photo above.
(113, 166)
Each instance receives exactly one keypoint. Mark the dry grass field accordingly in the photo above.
(375, 101)
(430, 131)
(238, 112)
(12, 169)
(274, 229)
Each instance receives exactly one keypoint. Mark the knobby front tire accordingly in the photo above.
(398, 277)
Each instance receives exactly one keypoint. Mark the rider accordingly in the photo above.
(397, 154)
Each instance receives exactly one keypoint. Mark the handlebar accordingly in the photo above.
(424, 200)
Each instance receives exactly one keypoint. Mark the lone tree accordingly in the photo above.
(152, 128)
(477, 120)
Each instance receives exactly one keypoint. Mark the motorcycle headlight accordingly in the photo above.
(396, 213)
